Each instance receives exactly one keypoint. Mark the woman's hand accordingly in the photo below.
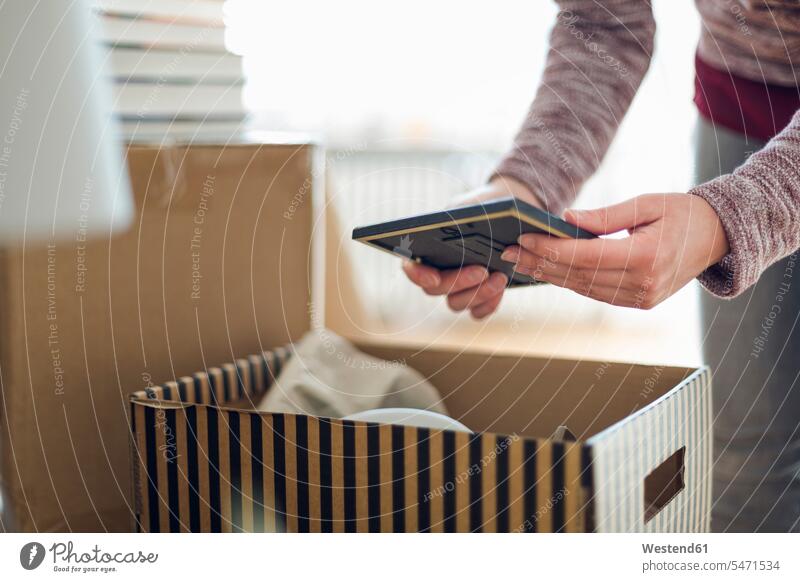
(672, 239)
(471, 287)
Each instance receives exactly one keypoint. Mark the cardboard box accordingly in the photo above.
(205, 461)
(199, 279)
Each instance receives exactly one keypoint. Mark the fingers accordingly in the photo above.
(422, 275)
(608, 276)
(457, 280)
(436, 282)
(469, 288)
(490, 289)
(595, 254)
(646, 296)
(625, 289)
(537, 267)
(484, 309)
(611, 294)
(625, 215)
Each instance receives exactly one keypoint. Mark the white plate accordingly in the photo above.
(409, 417)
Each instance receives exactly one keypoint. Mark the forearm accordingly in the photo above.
(599, 53)
(759, 207)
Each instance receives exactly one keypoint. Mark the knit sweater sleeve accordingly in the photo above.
(759, 207)
(599, 53)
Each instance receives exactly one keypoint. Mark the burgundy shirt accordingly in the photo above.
(755, 109)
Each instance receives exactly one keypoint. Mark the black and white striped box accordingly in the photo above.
(204, 460)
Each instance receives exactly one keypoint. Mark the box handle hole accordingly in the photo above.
(663, 484)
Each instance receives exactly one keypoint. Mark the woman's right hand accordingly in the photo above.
(471, 287)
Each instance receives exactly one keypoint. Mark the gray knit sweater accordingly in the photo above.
(599, 53)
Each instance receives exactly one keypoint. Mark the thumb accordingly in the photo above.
(625, 215)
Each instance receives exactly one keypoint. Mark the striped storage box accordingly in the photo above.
(205, 462)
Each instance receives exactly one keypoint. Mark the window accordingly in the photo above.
(417, 100)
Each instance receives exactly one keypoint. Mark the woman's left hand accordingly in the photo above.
(672, 239)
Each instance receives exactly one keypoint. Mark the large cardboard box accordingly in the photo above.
(204, 460)
(200, 278)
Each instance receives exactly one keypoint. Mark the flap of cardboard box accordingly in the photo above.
(231, 213)
(532, 396)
